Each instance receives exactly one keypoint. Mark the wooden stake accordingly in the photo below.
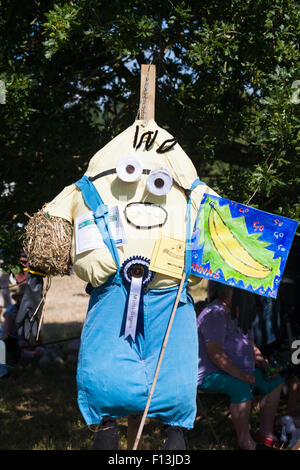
(147, 92)
(139, 433)
(146, 113)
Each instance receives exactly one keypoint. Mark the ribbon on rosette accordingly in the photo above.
(136, 275)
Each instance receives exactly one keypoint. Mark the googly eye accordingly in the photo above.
(129, 169)
(159, 182)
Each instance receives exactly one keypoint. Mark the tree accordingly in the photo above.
(227, 88)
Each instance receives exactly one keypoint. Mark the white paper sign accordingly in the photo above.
(88, 236)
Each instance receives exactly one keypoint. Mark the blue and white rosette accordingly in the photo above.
(136, 276)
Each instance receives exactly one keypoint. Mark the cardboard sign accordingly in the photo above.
(241, 246)
(168, 256)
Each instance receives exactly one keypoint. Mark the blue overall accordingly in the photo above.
(114, 374)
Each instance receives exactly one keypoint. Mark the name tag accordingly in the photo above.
(168, 256)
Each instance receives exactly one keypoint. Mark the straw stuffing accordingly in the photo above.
(47, 243)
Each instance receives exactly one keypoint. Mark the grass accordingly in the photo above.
(38, 405)
(38, 411)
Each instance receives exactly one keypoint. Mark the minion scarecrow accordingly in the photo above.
(134, 207)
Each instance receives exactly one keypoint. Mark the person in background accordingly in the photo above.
(21, 277)
(9, 328)
(266, 325)
(230, 363)
(5, 297)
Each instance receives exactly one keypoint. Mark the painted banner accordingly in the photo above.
(241, 246)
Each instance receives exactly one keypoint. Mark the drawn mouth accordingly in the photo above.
(145, 215)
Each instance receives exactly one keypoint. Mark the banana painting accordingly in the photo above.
(230, 248)
(241, 246)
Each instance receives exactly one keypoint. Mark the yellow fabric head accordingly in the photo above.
(96, 265)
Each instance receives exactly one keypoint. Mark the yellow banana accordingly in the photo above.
(231, 250)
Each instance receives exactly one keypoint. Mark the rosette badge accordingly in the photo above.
(137, 271)
(136, 276)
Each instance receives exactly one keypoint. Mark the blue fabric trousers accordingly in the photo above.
(114, 374)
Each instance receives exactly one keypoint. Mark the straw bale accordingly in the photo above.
(47, 243)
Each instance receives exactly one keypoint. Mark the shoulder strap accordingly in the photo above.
(188, 248)
(101, 214)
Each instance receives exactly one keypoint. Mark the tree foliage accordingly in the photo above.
(227, 87)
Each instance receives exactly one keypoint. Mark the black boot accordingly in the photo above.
(175, 439)
(107, 436)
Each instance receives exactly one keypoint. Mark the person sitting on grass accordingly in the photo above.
(9, 328)
(230, 363)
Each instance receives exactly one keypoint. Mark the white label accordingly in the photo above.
(88, 236)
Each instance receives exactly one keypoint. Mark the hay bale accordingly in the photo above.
(47, 243)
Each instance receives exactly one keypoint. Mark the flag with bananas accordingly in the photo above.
(241, 246)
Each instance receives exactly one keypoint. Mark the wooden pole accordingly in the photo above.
(146, 113)
(139, 433)
(147, 92)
